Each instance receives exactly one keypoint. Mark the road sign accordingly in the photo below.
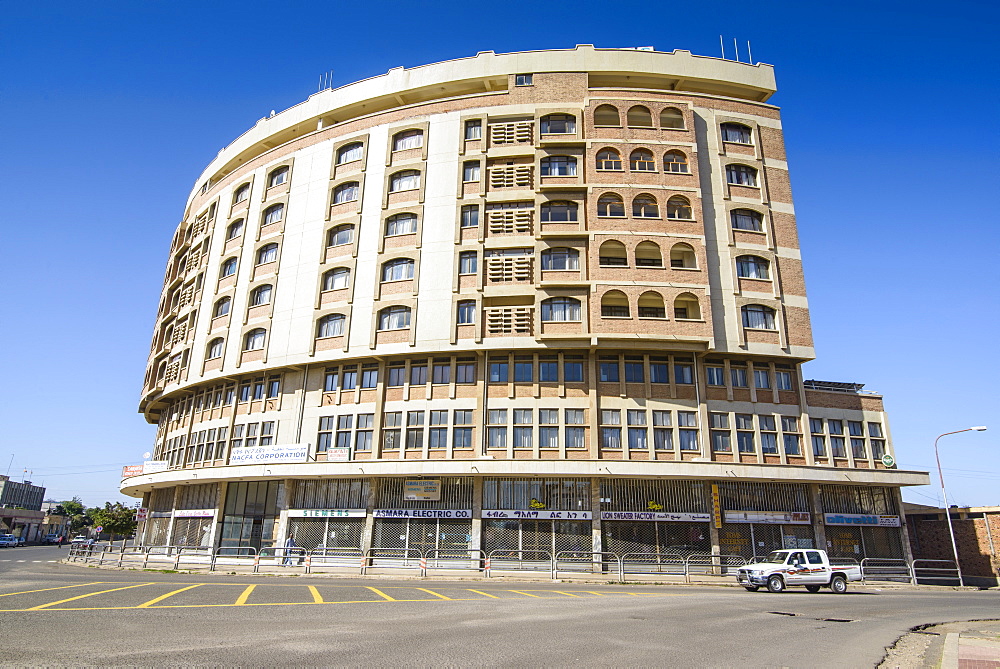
(99, 528)
(888, 461)
(141, 513)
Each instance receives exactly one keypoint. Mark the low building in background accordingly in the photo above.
(543, 301)
(977, 537)
(20, 508)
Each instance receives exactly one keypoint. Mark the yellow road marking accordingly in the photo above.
(382, 594)
(480, 592)
(562, 592)
(62, 587)
(242, 599)
(90, 594)
(317, 598)
(436, 594)
(521, 592)
(169, 594)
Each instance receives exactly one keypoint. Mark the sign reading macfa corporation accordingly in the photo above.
(251, 455)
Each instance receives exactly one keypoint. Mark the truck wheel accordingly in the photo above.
(838, 584)
(775, 584)
(752, 588)
(812, 588)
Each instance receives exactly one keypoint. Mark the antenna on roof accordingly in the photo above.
(737, 48)
(325, 81)
(749, 55)
(722, 46)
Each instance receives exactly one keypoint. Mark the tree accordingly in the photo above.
(114, 518)
(76, 511)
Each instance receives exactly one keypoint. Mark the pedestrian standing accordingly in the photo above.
(289, 546)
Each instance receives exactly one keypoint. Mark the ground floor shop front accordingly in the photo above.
(530, 517)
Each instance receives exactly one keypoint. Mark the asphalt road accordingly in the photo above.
(56, 614)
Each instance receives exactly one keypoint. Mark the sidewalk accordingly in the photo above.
(976, 646)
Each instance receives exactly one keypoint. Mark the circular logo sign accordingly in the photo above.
(888, 461)
(99, 528)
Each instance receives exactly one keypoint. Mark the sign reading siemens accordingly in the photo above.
(422, 513)
(860, 519)
(326, 513)
(262, 454)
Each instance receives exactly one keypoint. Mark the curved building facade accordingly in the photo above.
(548, 301)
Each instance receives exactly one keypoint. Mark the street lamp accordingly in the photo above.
(944, 496)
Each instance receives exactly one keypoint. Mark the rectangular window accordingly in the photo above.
(576, 437)
(611, 437)
(258, 389)
(855, 428)
(548, 416)
(574, 416)
(767, 423)
(442, 373)
(716, 376)
(414, 418)
(835, 426)
(392, 419)
(363, 440)
(768, 442)
(819, 445)
(687, 419)
(349, 379)
(497, 417)
(470, 171)
(659, 372)
(418, 375)
(467, 262)
(274, 387)
(470, 216)
(499, 372)
(878, 448)
(875, 430)
(548, 372)
(325, 437)
(718, 420)
(369, 378)
(415, 438)
(816, 425)
(721, 441)
(792, 444)
(465, 372)
(548, 437)
(683, 374)
(689, 440)
(634, 372)
(331, 381)
(611, 417)
(636, 417)
(744, 442)
(663, 438)
(439, 418)
(244, 392)
(496, 437)
(572, 371)
(739, 376)
(461, 437)
(463, 417)
(523, 372)
(523, 417)
(609, 371)
(523, 437)
(637, 438)
(438, 437)
(397, 376)
(858, 449)
(474, 129)
(789, 424)
(783, 380)
(523, 80)
(761, 379)
(838, 447)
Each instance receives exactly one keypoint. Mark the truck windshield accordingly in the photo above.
(776, 556)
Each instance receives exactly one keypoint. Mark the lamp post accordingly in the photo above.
(944, 496)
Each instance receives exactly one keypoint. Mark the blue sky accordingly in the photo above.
(112, 110)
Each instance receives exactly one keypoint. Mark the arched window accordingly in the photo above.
(235, 229)
(558, 166)
(398, 269)
(267, 253)
(682, 255)
(336, 278)
(350, 152)
(331, 325)
(679, 207)
(254, 340)
(611, 205)
(741, 175)
(614, 304)
(408, 139)
(559, 210)
(641, 160)
(401, 224)
(346, 192)
(340, 235)
(607, 115)
(644, 206)
(612, 254)
(758, 317)
(736, 133)
(560, 309)
(651, 305)
(466, 312)
(672, 118)
(609, 159)
(261, 295)
(214, 349)
(675, 161)
(686, 306)
(394, 318)
(405, 180)
(558, 124)
(560, 259)
(639, 117)
(277, 177)
(274, 214)
(752, 267)
(222, 307)
(746, 219)
(228, 268)
(241, 193)
(647, 254)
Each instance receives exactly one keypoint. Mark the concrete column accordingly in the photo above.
(476, 543)
(284, 502)
(713, 531)
(897, 498)
(366, 535)
(220, 510)
(170, 527)
(595, 524)
(816, 509)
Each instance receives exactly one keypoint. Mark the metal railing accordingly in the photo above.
(652, 563)
(593, 561)
(394, 558)
(935, 570)
(710, 563)
(234, 556)
(333, 557)
(453, 558)
(514, 560)
(886, 569)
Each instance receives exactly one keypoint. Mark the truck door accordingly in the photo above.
(797, 569)
(819, 571)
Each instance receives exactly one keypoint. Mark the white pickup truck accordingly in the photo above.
(809, 567)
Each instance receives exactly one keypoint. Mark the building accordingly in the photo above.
(547, 301)
(977, 536)
(20, 508)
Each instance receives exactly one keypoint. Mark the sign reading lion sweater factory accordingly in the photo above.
(251, 455)
(422, 513)
(656, 515)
